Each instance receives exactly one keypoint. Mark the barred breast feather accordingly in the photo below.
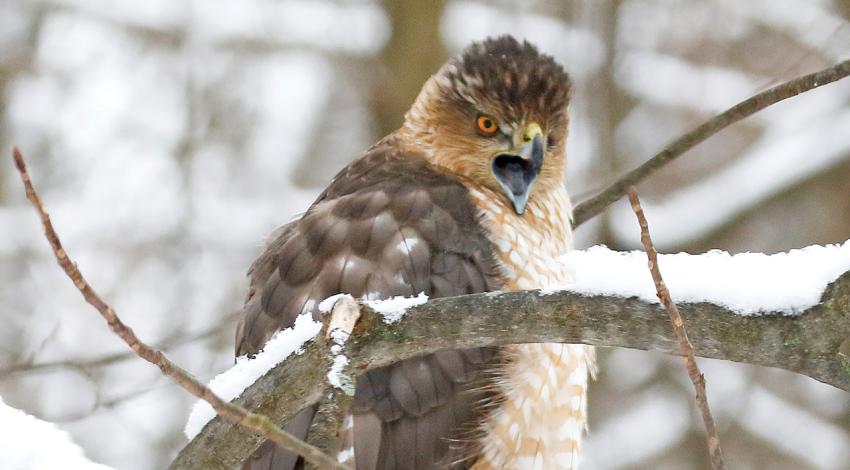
(542, 388)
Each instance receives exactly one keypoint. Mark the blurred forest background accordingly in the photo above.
(170, 137)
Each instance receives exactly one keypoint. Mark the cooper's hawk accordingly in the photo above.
(467, 196)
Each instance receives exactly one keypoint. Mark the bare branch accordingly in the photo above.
(694, 372)
(593, 206)
(808, 344)
(85, 365)
(232, 412)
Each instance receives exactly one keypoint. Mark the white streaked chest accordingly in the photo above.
(542, 416)
(528, 246)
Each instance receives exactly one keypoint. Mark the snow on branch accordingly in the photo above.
(747, 283)
(815, 344)
(246, 371)
(613, 303)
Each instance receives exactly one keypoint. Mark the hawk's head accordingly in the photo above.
(497, 115)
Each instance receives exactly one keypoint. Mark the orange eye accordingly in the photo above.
(486, 125)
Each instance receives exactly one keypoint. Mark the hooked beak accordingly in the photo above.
(517, 168)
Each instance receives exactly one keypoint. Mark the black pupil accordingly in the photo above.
(488, 124)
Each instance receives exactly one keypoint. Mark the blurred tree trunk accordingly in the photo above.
(414, 52)
(843, 7)
(608, 105)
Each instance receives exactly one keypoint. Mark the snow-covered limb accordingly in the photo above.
(345, 313)
(746, 283)
(334, 405)
(229, 384)
(809, 343)
(28, 443)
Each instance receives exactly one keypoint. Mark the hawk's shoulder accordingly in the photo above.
(389, 168)
(388, 224)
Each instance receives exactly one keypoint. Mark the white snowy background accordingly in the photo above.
(170, 137)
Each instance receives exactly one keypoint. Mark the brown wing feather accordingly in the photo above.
(389, 224)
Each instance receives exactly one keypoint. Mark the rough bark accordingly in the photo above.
(809, 344)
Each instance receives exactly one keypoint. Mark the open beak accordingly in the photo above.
(517, 168)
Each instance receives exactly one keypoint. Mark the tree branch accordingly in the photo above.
(232, 412)
(696, 376)
(593, 206)
(336, 399)
(85, 365)
(809, 344)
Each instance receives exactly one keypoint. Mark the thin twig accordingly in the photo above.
(233, 413)
(694, 373)
(85, 365)
(749, 106)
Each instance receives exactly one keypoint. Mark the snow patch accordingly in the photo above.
(746, 283)
(246, 371)
(327, 305)
(336, 375)
(393, 309)
(345, 455)
(339, 379)
(28, 443)
(338, 337)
